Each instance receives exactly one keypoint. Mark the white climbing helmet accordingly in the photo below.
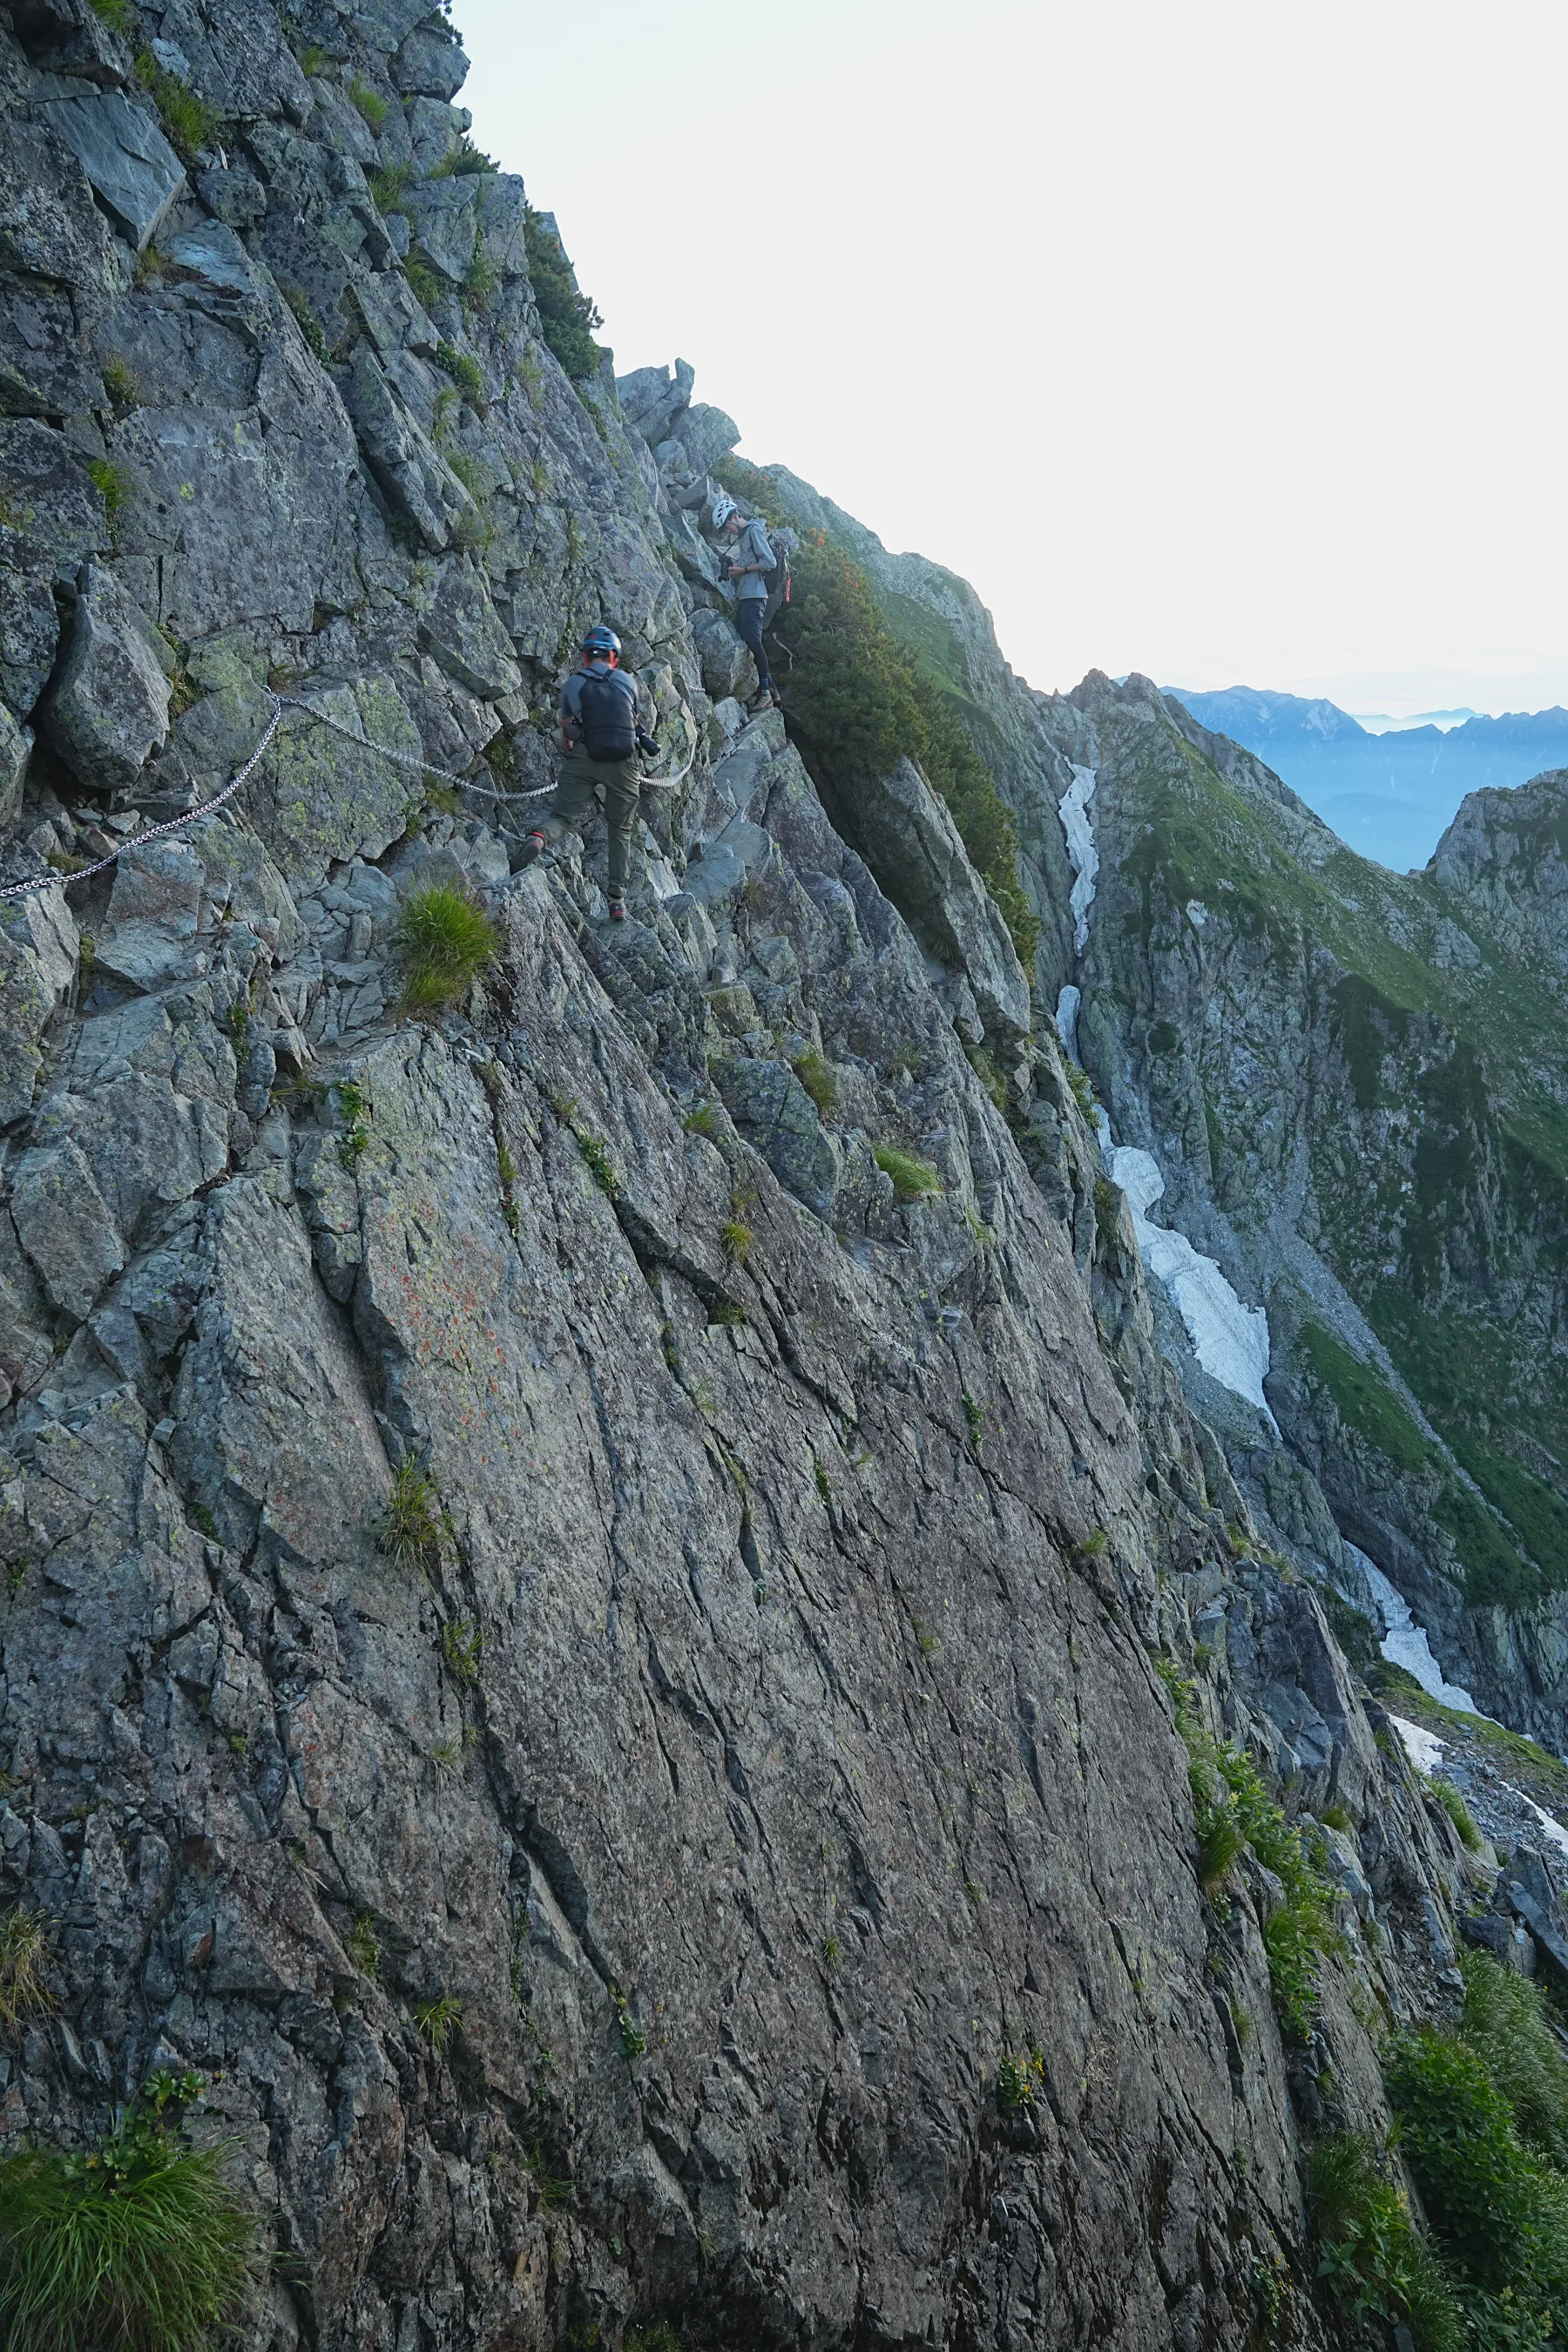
(723, 507)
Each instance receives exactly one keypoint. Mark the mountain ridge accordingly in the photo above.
(1388, 794)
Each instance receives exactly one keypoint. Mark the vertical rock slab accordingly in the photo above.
(124, 154)
(109, 710)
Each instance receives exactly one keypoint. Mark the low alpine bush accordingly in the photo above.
(567, 320)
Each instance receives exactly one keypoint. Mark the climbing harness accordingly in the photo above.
(281, 702)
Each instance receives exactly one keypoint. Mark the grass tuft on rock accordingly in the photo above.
(409, 1528)
(370, 104)
(444, 940)
(23, 1957)
(914, 1178)
(141, 2243)
(820, 1080)
(1458, 1813)
(190, 124)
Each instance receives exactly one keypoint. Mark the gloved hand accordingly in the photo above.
(648, 744)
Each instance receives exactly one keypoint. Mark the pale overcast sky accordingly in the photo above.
(1224, 342)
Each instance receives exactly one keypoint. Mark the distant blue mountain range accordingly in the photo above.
(1390, 796)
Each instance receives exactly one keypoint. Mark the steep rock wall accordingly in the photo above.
(623, 1903)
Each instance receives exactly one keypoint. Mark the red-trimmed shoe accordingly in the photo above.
(617, 910)
(533, 847)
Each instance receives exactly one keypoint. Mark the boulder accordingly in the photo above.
(727, 665)
(63, 1223)
(911, 843)
(773, 1111)
(705, 434)
(652, 398)
(445, 222)
(124, 154)
(429, 65)
(109, 708)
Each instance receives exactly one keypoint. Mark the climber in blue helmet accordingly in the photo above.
(601, 738)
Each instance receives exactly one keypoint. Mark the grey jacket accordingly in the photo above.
(752, 547)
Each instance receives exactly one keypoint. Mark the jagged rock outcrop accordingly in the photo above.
(724, 1853)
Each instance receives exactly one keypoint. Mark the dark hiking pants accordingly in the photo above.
(748, 611)
(580, 780)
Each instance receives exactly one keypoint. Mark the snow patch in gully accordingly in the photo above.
(1082, 854)
(1405, 1642)
(1229, 1339)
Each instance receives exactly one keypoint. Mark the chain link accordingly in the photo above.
(281, 702)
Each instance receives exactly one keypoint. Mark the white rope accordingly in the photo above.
(281, 702)
(156, 831)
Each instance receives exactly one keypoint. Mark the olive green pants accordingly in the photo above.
(580, 780)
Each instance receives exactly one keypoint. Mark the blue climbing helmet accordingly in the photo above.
(600, 645)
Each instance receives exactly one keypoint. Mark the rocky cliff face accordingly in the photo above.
(731, 1861)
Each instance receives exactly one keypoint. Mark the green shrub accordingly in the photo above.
(567, 320)
(599, 1164)
(139, 2243)
(118, 15)
(463, 159)
(313, 61)
(1495, 2210)
(914, 1178)
(737, 1240)
(816, 1075)
(483, 282)
(1019, 2082)
(1221, 1841)
(409, 1528)
(860, 704)
(1235, 1810)
(371, 104)
(1507, 2022)
(464, 372)
(703, 1120)
(444, 940)
(190, 124)
(1373, 2257)
(1081, 1085)
(1458, 1813)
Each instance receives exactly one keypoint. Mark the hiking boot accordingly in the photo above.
(533, 847)
(617, 910)
(761, 700)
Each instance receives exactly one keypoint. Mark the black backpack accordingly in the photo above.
(606, 718)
